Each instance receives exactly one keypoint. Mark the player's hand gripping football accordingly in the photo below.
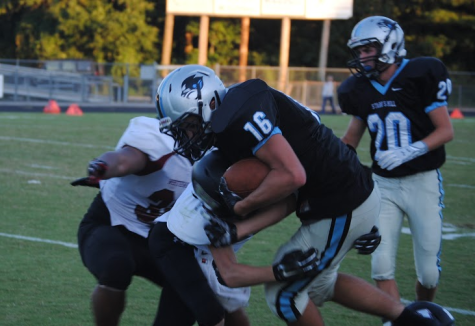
(220, 233)
(392, 158)
(96, 171)
(229, 197)
(367, 243)
(297, 264)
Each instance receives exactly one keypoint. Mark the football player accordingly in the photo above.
(140, 181)
(403, 104)
(337, 200)
(186, 222)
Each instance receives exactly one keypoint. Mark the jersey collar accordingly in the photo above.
(383, 89)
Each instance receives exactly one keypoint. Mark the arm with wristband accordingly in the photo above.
(293, 266)
(127, 160)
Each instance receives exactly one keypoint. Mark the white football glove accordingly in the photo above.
(392, 158)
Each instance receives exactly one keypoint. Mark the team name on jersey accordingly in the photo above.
(382, 104)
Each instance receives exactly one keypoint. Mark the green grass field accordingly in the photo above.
(42, 279)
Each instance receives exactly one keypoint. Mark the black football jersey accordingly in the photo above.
(396, 114)
(252, 112)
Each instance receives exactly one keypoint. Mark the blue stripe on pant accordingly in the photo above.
(285, 299)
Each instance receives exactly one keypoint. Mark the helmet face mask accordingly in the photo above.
(381, 33)
(189, 91)
(191, 135)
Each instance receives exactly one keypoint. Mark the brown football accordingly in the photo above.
(244, 176)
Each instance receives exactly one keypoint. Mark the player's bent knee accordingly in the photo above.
(429, 280)
(382, 269)
(286, 303)
(117, 273)
(211, 316)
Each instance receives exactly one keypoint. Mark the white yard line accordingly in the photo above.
(36, 174)
(52, 142)
(460, 186)
(21, 237)
(447, 233)
(73, 245)
(457, 310)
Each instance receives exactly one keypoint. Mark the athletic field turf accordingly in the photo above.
(42, 279)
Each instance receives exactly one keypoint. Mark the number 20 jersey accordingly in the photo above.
(396, 114)
(135, 200)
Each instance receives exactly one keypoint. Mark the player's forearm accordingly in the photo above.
(123, 162)
(240, 275)
(443, 132)
(276, 187)
(234, 274)
(439, 137)
(265, 217)
(354, 132)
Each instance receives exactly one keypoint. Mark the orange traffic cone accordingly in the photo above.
(74, 109)
(456, 114)
(52, 108)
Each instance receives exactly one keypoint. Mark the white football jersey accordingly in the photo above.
(136, 200)
(187, 221)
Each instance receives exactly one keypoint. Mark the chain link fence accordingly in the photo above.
(84, 81)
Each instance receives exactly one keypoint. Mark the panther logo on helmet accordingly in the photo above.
(386, 24)
(192, 85)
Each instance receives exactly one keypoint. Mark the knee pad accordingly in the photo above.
(428, 270)
(429, 279)
(382, 267)
(116, 272)
(211, 315)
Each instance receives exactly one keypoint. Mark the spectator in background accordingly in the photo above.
(327, 94)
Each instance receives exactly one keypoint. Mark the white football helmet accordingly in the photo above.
(192, 90)
(386, 35)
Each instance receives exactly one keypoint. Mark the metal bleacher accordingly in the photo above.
(31, 84)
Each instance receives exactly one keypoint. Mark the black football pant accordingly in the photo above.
(114, 255)
(176, 260)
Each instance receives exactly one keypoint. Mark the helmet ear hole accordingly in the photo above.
(212, 104)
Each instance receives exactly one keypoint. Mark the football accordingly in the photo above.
(244, 176)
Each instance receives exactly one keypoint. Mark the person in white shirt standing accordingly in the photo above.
(327, 94)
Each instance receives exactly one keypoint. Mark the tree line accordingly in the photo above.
(131, 31)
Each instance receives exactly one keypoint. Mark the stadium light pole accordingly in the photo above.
(284, 53)
(324, 49)
(203, 41)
